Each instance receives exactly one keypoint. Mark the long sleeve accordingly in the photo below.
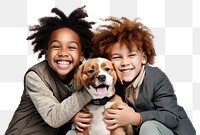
(160, 102)
(51, 110)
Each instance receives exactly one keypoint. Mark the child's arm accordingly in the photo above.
(162, 103)
(52, 111)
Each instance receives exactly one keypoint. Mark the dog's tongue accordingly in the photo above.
(102, 90)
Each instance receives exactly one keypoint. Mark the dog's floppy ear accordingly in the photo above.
(119, 76)
(78, 82)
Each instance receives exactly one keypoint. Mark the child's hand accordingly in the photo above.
(115, 118)
(82, 120)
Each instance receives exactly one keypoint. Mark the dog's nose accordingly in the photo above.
(101, 78)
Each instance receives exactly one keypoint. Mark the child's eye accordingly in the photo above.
(73, 46)
(115, 57)
(132, 55)
(55, 46)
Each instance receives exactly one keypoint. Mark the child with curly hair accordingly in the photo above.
(153, 108)
(48, 102)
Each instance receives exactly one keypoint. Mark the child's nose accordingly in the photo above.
(63, 53)
(124, 62)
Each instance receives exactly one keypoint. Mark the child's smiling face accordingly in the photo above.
(64, 52)
(128, 63)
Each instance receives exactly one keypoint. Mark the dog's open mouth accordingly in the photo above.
(102, 89)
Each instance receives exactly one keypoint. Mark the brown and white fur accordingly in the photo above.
(98, 77)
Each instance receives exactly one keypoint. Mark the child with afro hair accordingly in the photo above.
(48, 101)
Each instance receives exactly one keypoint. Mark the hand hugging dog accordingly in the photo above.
(98, 77)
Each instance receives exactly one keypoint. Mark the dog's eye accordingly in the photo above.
(107, 69)
(91, 71)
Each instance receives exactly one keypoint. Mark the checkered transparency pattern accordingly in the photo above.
(175, 25)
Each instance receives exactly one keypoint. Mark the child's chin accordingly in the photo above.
(127, 80)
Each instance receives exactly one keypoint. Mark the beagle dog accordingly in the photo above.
(98, 77)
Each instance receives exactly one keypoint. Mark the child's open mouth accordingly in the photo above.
(63, 63)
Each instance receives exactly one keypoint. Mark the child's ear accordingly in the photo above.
(82, 57)
(144, 58)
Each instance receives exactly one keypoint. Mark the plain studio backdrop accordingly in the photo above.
(174, 23)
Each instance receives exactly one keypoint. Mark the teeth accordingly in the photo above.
(125, 71)
(63, 62)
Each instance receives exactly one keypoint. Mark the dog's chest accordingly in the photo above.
(98, 126)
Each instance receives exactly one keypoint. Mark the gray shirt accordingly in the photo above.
(52, 111)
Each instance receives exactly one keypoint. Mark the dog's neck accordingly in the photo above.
(102, 101)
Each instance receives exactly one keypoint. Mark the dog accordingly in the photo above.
(98, 77)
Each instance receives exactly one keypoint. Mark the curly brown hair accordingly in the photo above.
(126, 31)
(75, 21)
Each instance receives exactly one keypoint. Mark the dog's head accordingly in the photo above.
(98, 76)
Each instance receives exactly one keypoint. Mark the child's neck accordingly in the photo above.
(68, 78)
(126, 84)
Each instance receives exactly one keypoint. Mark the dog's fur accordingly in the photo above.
(98, 77)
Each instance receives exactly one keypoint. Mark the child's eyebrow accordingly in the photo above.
(114, 54)
(55, 41)
(134, 51)
(61, 42)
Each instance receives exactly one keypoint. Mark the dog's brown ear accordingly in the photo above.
(119, 76)
(78, 83)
